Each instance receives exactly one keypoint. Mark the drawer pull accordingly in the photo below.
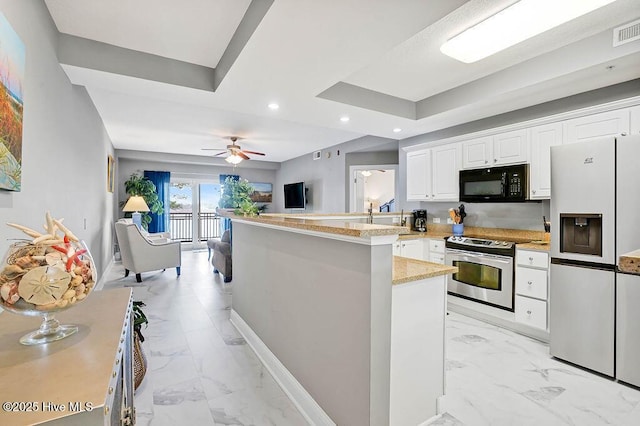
(529, 312)
(529, 282)
(530, 259)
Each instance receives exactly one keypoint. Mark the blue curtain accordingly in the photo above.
(160, 222)
(225, 223)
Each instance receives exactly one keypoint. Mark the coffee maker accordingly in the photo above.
(420, 220)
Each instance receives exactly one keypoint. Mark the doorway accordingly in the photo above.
(372, 186)
(192, 212)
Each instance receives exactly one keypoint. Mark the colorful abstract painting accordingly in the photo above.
(12, 61)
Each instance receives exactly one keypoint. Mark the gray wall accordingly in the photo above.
(323, 307)
(185, 167)
(326, 178)
(65, 145)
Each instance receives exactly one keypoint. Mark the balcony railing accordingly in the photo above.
(181, 226)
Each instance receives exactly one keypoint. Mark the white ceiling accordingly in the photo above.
(302, 48)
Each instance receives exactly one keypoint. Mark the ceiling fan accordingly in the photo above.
(236, 153)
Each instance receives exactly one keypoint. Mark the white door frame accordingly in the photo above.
(353, 169)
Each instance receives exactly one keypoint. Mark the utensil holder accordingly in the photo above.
(458, 229)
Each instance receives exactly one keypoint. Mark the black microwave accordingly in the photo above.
(495, 184)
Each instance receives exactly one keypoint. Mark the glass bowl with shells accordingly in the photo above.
(45, 275)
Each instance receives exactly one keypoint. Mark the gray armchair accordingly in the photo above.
(221, 259)
(140, 254)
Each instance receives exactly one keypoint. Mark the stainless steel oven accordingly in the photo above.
(485, 270)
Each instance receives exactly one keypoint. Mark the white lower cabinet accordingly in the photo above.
(532, 312)
(436, 251)
(413, 249)
(532, 272)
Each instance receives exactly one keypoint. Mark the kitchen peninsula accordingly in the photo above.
(352, 334)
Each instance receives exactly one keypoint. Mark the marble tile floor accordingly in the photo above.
(202, 372)
(500, 378)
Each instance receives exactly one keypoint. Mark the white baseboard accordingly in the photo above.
(105, 273)
(307, 406)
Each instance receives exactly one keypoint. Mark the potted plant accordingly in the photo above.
(236, 195)
(140, 185)
(139, 358)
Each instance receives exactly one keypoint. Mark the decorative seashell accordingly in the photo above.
(62, 303)
(9, 292)
(76, 281)
(53, 258)
(13, 271)
(81, 296)
(69, 294)
(43, 285)
(80, 289)
(27, 262)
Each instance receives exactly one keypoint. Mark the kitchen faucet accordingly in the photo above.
(370, 218)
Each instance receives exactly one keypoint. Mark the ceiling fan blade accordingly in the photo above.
(382, 171)
(221, 153)
(213, 149)
(253, 152)
(241, 154)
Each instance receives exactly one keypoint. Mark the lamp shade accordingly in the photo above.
(135, 203)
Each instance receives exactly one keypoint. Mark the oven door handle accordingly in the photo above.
(494, 257)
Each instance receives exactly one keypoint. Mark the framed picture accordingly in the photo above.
(262, 192)
(12, 53)
(111, 177)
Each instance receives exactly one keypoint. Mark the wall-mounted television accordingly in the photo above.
(294, 196)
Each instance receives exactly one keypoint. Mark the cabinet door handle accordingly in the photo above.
(533, 190)
(486, 162)
(528, 312)
(495, 160)
(530, 259)
(529, 282)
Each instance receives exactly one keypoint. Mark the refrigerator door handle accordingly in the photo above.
(582, 264)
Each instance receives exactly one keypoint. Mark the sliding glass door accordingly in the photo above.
(192, 214)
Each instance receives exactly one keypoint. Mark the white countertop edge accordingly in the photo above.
(376, 240)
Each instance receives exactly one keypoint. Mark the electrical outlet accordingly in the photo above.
(436, 220)
(449, 220)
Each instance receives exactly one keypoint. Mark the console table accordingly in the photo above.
(85, 379)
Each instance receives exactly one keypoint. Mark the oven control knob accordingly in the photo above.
(504, 243)
(496, 243)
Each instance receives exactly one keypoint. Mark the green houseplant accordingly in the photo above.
(140, 185)
(139, 358)
(237, 195)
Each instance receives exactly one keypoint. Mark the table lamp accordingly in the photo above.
(136, 204)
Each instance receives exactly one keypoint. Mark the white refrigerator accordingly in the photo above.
(594, 201)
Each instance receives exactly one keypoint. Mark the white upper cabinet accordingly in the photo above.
(542, 139)
(634, 125)
(419, 175)
(432, 173)
(510, 147)
(445, 160)
(611, 123)
(476, 153)
(498, 150)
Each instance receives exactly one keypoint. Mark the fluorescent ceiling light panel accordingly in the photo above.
(516, 23)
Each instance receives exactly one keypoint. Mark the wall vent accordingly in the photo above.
(626, 33)
(317, 155)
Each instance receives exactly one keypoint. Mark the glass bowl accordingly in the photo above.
(40, 280)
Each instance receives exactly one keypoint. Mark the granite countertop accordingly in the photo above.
(340, 227)
(406, 270)
(630, 262)
(535, 246)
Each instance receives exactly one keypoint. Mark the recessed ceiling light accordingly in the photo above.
(273, 106)
(344, 118)
(397, 130)
(518, 22)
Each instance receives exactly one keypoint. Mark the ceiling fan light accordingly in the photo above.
(233, 159)
(518, 22)
(366, 173)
